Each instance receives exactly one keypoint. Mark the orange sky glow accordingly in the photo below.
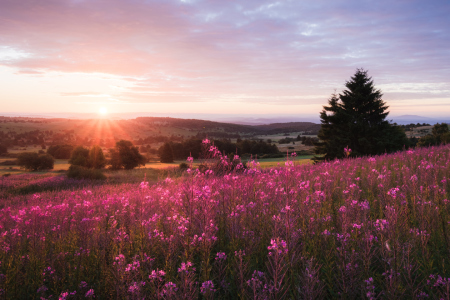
(227, 57)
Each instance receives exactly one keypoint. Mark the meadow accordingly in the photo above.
(356, 228)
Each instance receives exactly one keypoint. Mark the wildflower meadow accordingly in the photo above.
(356, 228)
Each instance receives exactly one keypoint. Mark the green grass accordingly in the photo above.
(274, 162)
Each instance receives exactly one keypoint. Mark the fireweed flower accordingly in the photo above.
(347, 151)
(143, 185)
(158, 274)
(221, 256)
(393, 192)
(277, 247)
(381, 224)
(185, 267)
(89, 294)
(289, 163)
(169, 289)
(207, 286)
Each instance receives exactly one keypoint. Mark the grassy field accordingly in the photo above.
(63, 165)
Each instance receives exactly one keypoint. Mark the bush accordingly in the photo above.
(166, 153)
(79, 157)
(96, 158)
(78, 172)
(125, 156)
(3, 149)
(183, 166)
(60, 151)
(35, 162)
(8, 163)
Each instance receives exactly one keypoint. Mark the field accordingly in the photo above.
(357, 228)
(63, 165)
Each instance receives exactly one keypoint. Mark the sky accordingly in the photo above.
(251, 57)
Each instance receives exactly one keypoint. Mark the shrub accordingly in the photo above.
(166, 153)
(79, 172)
(35, 162)
(96, 158)
(440, 135)
(79, 157)
(3, 149)
(126, 156)
(8, 163)
(60, 151)
(183, 166)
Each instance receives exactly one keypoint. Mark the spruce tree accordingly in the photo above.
(356, 119)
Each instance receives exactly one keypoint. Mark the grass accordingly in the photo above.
(63, 165)
(275, 162)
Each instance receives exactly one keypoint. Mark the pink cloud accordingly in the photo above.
(203, 50)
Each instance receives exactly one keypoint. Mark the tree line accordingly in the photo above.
(171, 151)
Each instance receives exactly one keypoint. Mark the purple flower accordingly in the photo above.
(89, 294)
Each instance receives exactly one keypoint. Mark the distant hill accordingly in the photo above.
(408, 119)
(22, 131)
(211, 126)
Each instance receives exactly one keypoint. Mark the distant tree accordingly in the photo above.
(3, 149)
(439, 129)
(35, 162)
(96, 158)
(126, 156)
(439, 135)
(114, 161)
(357, 119)
(60, 151)
(79, 157)
(166, 153)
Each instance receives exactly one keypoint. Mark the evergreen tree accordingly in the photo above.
(357, 119)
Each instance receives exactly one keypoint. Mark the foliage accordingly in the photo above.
(126, 156)
(193, 147)
(96, 158)
(60, 151)
(440, 134)
(79, 172)
(79, 157)
(3, 149)
(165, 153)
(84, 160)
(35, 162)
(357, 119)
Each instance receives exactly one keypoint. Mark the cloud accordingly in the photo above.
(253, 51)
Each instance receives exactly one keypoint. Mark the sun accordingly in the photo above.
(103, 111)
